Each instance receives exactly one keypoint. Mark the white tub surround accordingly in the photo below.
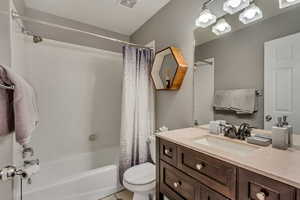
(81, 177)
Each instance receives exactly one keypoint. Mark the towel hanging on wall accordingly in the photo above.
(18, 107)
(241, 101)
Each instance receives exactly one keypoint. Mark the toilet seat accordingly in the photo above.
(140, 175)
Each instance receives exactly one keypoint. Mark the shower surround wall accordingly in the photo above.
(79, 95)
(5, 59)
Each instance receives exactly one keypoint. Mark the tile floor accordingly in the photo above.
(122, 195)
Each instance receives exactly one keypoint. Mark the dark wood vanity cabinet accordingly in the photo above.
(256, 187)
(214, 173)
(185, 174)
(179, 186)
(176, 184)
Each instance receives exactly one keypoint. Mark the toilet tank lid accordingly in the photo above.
(140, 174)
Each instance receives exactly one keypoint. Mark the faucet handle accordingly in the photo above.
(27, 150)
(32, 162)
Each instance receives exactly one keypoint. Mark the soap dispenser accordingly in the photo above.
(280, 135)
(286, 124)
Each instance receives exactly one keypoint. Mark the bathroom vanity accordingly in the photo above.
(192, 164)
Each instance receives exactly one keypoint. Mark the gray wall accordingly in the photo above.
(71, 36)
(20, 6)
(239, 58)
(5, 59)
(173, 25)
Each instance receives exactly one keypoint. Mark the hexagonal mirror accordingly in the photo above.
(168, 69)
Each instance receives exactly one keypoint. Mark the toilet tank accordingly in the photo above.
(152, 145)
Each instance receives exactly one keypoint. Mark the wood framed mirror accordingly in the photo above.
(169, 69)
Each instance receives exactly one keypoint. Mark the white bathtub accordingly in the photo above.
(87, 176)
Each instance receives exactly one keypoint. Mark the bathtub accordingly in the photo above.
(88, 176)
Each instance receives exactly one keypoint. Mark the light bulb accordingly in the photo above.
(234, 6)
(287, 3)
(221, 27)
(250, 14)
(205, 18)
(234, 3)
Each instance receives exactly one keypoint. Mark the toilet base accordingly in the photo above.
(144, 196)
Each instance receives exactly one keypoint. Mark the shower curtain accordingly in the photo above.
(137, 121)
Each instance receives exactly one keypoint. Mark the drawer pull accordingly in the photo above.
(176, 184)
(261, 196)
(167, 151)
(199, 166)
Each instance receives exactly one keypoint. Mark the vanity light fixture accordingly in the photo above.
(287, 3)
(205, 19)
(221, 27)
(234, 6)
(251, 14)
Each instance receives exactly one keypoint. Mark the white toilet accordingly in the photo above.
(140, 179)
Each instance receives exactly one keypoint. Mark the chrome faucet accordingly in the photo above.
(241, 133)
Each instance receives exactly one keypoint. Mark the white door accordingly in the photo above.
(203, 92)
(282, 80)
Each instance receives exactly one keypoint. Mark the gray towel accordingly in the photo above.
(241, 101)
(223, 100)
(244, 101)
(22, 101)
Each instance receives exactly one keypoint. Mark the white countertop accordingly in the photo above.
(280, 165)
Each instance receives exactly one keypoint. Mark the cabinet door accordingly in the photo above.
(256, 187)
(208, 194)
(177, 185)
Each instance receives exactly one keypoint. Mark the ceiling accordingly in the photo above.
(106, 14)
(270, 8)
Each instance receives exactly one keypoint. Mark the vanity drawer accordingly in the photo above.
(208, 194)
(256, 187)
(216, 174)
(168, 152)
(175, 184)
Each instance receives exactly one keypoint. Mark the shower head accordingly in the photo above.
(37, 39)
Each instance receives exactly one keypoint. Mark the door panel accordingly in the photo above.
(282, 80)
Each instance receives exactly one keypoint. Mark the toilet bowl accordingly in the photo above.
(140, 179)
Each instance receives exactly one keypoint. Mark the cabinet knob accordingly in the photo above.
(199, 166)
(261, 196)
(176, 184)
(167, 151)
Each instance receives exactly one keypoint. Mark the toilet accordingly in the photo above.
(140, 179)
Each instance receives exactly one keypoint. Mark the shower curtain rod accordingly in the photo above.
(15, 15)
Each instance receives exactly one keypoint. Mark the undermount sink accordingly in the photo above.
(226, 145)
